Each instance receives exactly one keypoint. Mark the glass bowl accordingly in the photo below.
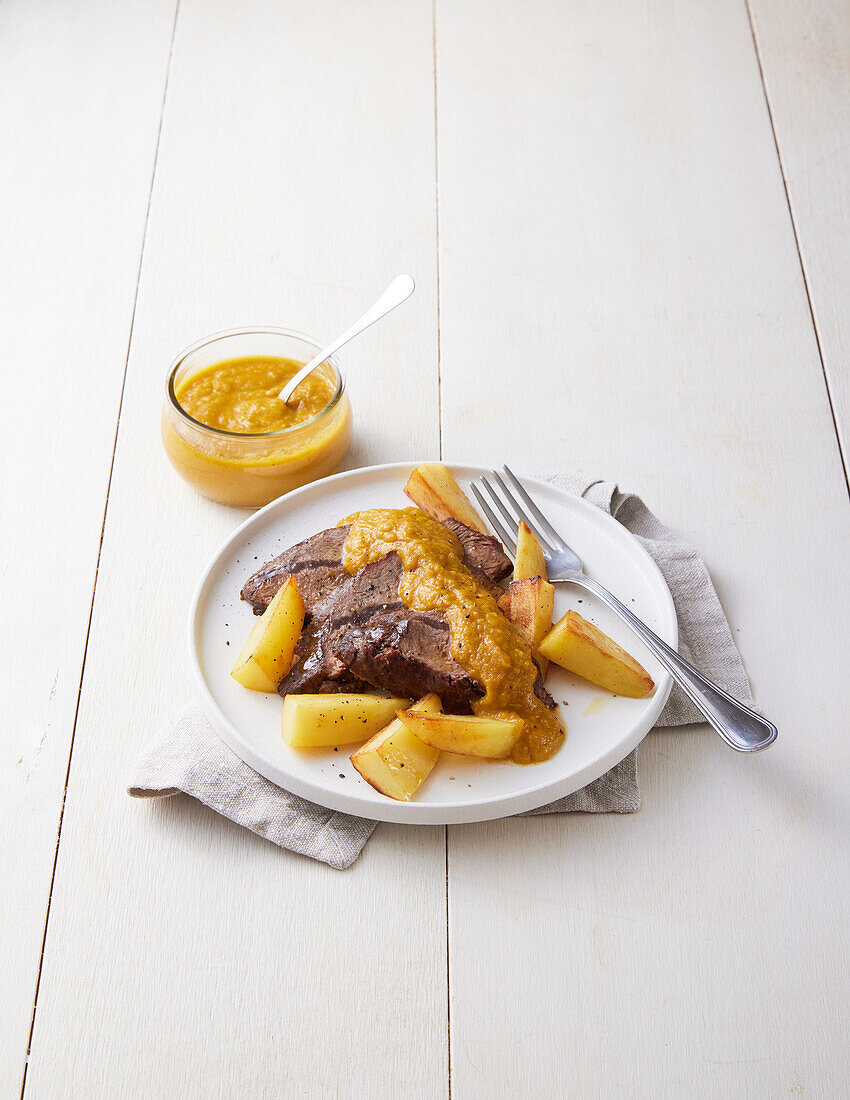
(243, 469)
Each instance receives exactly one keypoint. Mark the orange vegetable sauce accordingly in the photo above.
(484, 643)
(272, 448)
(241, 395)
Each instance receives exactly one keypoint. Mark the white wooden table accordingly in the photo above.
(630, 227)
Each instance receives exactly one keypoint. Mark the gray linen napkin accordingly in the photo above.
(188, 757)
(704, 639)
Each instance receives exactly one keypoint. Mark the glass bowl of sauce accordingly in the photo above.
(225, 430)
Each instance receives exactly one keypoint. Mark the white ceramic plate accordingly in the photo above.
(601, 728)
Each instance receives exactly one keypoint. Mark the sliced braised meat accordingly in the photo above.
(540, 689)
(315, 666)
(316, 564)
(363, 630)
(409, 654)
(482, 554)
(358, 632)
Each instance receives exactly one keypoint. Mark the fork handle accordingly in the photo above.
(740, 727)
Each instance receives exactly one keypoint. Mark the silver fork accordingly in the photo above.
(739, 726)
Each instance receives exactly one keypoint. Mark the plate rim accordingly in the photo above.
(413, 813)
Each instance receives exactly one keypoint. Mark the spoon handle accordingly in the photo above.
(399, 289)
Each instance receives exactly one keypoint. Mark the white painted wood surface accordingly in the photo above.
(79, 115)
(805, 52)
(648, 294)
(620, 293)
(211, 962)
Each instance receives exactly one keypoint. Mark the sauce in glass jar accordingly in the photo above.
(227, 433)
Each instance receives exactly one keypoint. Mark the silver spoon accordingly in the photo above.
(399, 289)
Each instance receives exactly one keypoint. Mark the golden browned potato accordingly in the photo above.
(582, 648)
(529, 561)
(529, 604)
(432, 488)
(395, 761)
(493, 738)
(267, 655)
(319, 721)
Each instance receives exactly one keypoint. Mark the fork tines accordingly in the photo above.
(515, 496)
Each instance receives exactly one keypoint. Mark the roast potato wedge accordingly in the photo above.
(321, 721)
(529, 560)
(582, 648)
(395, 761)
(432, 488)
(267, 655)
(528, 604)
(493, 738)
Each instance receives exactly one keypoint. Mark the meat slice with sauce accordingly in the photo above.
(363, 632)
(316, 564)
(482, 554)
(359, 634)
